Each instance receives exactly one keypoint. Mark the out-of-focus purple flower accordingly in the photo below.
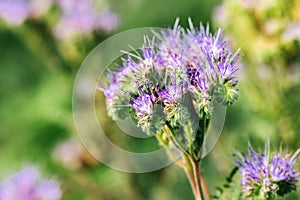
(68, 153)
(292, 32)
(77, 16)
(272, 26)
(67, 5)
(256, 4)
(39, 7)
(268, 174)
(107, 21)
(14, 12)
(81, 17)
(27, 184)
(220, 14)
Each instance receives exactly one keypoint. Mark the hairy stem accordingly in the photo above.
(169, 152)
(205, 187)
(190, 174)
(197, 178)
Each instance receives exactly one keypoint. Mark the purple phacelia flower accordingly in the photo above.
(180, 71)
(268, 175)
(27, 184)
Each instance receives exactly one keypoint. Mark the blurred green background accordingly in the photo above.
(38, 72)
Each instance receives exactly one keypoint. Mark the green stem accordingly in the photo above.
(205, 187)
(169, 151)
(192, 158)
(197, 178)
(190, 174)
(172, 138)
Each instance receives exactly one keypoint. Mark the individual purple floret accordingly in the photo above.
(111, 91)
(268, 175)
(171, 42)
(27, 184)
(143, 106)
(171, 93)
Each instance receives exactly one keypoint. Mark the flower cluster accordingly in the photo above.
(28, 185)
(75, 17)
(268, 175)
(173, 81)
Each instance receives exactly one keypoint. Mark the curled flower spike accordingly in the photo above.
(268, 175)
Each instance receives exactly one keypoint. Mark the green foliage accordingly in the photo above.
(230, 189)
(226, 93)
(285, 188)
